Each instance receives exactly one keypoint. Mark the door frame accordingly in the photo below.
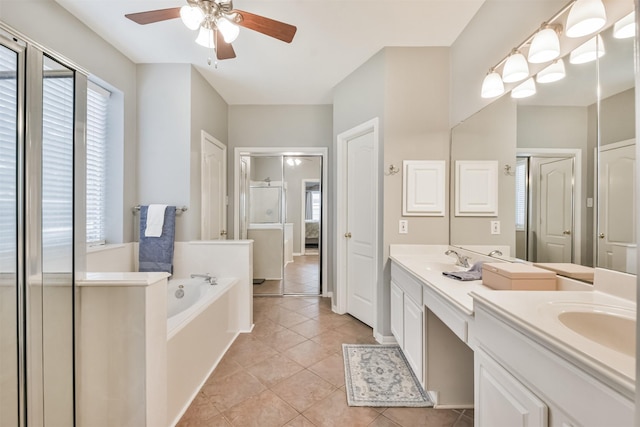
(303, 212)
(323, 152)
(576, 154)
(206, 138)
(340, 302)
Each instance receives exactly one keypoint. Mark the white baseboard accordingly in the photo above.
(384, 339)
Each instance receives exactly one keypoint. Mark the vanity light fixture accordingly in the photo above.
(525, 89)
(589, 51)
(552, 73)
(516, 68)
(492, 85)
(545, 45)
(585, 17)
(626, 27)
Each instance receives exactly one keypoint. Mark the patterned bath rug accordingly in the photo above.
(379, 375)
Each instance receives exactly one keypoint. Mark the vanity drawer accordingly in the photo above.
(405, 281)
(449, 316)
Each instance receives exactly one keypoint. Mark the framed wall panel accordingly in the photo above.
(424, 187)
(476, 188)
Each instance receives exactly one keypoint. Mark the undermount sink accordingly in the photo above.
(442, 266)
(607, 325)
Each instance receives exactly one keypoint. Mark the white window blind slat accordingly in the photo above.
(97, 115)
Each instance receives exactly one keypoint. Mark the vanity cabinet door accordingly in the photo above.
(501, 400)
(413, 321)
(397, 314)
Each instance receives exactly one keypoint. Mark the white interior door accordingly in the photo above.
(361, 224)
(214, 188)
(555, 216)
(617, 207)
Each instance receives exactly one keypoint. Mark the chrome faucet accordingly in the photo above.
(207, 277)
(495, 252)
(462, 260)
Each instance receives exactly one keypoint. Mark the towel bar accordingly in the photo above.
(179, 209)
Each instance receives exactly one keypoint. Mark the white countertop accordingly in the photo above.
(535, 313)
(457, 292)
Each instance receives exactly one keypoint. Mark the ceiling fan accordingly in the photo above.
(218, 23)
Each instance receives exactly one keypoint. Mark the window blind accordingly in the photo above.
(97, 115)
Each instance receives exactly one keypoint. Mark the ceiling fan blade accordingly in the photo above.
(151, 16)
(267, 26)
(224, 50)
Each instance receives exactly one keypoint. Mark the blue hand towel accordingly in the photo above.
(474, 273)
(156, 253)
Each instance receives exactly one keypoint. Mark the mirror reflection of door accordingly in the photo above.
(544, 209)
(280, 207)
(617, 202)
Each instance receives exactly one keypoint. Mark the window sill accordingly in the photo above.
(108, 247)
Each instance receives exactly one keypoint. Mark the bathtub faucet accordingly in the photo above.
(207, 277)
(462, 260)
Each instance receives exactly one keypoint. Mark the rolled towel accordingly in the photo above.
(155, 220)
(474, 273)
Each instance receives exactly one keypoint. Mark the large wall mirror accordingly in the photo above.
(566, 171)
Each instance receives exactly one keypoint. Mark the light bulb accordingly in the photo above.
(524, 89)
(545, 46)
(492, 85)
(585, 17)
(228, 29)
(192, 16)
(205, 37)
(588, 51)
(515, 69)
(552, 73)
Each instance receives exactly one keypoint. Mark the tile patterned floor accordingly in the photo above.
(301, 277)
(289, 372)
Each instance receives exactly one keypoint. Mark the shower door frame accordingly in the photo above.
(322, 152)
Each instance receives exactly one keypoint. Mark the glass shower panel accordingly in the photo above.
(9, 272)
(58, 120)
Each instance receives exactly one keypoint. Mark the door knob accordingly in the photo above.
(566, 232)
(223, 233)
(347, 235)
(601, 235)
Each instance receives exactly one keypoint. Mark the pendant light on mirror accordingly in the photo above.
(626, 27)
(585, 17)
(589, 51)
(516, 68)
(545, 45)
(552, 73)
(524, 89)
(492, 85)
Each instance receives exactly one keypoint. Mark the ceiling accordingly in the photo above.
(334, 38)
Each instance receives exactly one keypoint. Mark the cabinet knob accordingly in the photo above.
(347, 235)
(566, 232)
(601, 235)
(223, 233)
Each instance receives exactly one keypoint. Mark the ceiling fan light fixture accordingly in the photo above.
(552, 73)
(588, 51)
(545, 46)
(205, 37)
(228, 29)
(192, 16)
(585, 17)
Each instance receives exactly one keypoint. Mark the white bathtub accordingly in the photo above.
(200, 328)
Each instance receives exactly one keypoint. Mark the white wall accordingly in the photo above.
(54, 28)
(175, 104)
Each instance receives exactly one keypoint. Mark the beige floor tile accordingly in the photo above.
(334, 411)
(383, 421)
(303, 389)
(355, 328)
(295, 304)
(227, 366)
(263, 410)
(232, 390)
(331, 369)
(307, 353)
(249, 351)
(332, 340)
(201, 409)
(310, 328)
(283, 340)
(421, 417)
(217, 421)
(300, 421)
(274, 369)
(265, 327)
(287, 318)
